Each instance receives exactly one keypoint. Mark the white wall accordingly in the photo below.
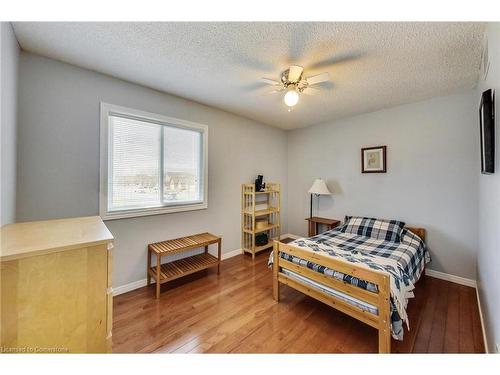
(489, 208)
(59, 158)
(9, 57)
(432, 158)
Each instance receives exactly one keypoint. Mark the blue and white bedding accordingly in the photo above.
(404, 261)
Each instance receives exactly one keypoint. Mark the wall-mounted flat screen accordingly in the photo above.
(487, 129)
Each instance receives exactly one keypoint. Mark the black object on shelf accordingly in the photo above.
(261, 239)
(259, 184)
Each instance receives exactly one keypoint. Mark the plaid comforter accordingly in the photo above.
(404, 261)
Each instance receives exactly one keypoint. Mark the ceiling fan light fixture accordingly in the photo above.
(291, 97)
(294, 82)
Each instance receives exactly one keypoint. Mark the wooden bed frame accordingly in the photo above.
(381, 300)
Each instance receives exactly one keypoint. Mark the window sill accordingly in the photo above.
(152, 211)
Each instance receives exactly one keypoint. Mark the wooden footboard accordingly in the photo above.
(381, 299)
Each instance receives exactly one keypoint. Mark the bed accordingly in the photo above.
(359, 272)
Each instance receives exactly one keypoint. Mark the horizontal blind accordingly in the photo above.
(134, 164)
(182, 165)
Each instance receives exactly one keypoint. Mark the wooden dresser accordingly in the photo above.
(56, 294)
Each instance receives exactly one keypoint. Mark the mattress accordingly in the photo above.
(333, 292)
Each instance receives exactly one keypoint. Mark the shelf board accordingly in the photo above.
(263, 247)
(269, 227)
(260, 248)
(266, 211)
(262, 192)
(185, 266)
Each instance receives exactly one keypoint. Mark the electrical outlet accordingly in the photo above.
(497, 347)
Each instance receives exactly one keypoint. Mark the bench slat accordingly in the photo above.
(182, 244)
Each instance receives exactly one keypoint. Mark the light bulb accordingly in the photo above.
(291, 98)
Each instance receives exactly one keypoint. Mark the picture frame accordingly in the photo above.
(374, 159)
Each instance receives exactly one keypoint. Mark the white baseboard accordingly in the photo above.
(289, 235)
(140, 283)
(129, 287)
(485, 339)
(454, 279)
(227, 255)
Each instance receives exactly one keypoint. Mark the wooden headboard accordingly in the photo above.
(418, 231)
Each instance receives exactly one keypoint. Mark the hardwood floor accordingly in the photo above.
(235, 313)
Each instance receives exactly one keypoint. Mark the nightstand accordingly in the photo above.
(315, 221)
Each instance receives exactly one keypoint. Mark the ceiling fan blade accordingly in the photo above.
(336, 60)
(275, 91)
(310, 91)
(270, 81)
(294, 73)
(323, 77)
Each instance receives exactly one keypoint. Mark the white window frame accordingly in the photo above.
(110, 109)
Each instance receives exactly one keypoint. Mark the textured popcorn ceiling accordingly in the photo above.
(372, 65)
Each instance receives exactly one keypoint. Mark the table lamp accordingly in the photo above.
(318, 188)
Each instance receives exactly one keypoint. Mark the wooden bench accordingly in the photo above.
(182, 267)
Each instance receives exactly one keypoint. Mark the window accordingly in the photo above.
(150, 164)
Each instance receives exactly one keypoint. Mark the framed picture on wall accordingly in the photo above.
(373, 159)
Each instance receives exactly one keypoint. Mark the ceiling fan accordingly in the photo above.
(294, 83)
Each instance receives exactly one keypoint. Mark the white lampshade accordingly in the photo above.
(319, 187)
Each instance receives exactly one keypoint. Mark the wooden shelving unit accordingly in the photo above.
(255, 206)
